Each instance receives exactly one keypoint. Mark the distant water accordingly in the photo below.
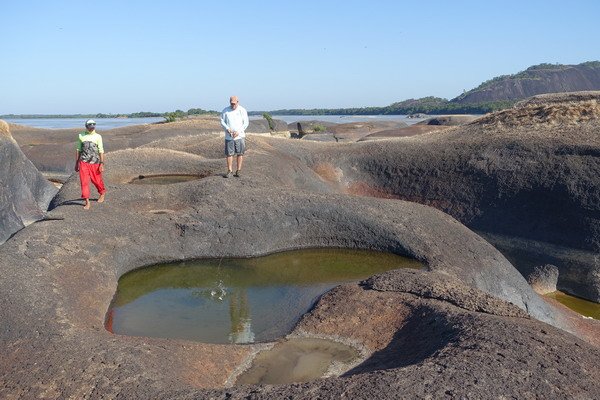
(344, 119)
(110, 123)
(65, 123)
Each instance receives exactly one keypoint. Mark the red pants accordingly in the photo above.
(90, 171)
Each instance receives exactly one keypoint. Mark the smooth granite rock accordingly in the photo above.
(468, 326)
(543, 279)
(529, 174)
(24, 192)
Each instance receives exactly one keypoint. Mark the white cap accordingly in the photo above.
(89, 122)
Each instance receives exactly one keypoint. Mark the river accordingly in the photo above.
(110, 123)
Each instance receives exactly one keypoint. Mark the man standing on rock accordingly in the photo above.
(90, 162)
(234, 120)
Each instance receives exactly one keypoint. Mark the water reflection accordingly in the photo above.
(236, 300)
(297, 360)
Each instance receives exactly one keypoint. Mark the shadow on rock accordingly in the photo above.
(422, 336)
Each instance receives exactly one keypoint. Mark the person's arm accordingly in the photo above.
(245, 119)
(101, 153)
(224, 123)
(78, 149)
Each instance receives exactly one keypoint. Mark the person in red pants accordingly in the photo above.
(90, 162)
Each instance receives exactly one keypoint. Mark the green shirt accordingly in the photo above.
(89, 145)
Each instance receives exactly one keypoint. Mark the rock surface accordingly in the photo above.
(531, 173)
(412, 130)
(261, 126)
(543, 279)
(354, 131)
(468, 327)
(24, 192)
(426, 347)
(449, 120)
(53, 150)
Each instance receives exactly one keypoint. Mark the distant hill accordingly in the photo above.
(538, 79)
(496, 94)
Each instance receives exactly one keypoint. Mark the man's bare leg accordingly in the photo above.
(229, 163)
(87, 204)
(239, 161)
(101, 198)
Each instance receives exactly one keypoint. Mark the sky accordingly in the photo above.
(70, 57)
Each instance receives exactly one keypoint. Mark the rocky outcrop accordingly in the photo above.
(52, 150)
(24, 192)
(530, 173)
(439, 332)
(543, 279)
(538, 79)
(432, 124)
(306, 127)
(261, 126)
(421, 346)
(354, 131)
(411, 130)
(449, 120)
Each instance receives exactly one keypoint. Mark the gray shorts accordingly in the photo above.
(235, 147)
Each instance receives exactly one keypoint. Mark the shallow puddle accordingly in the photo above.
(298, 360)
(163, 179)
(577, 304)
(237, 300)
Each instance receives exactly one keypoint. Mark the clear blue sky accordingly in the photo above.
(128, 56)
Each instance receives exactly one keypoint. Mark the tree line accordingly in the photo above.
(425, 105)
(141, 114)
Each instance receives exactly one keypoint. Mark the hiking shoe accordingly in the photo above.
(238, 173)
(228, 174)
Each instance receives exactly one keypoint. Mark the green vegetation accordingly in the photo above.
(425, 105)
(200, 111)
(591, 64)
(269, 119)
(180, 114)
(319, 128)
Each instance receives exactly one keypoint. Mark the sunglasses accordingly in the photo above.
(91, 125)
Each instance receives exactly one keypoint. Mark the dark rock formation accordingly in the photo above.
(24, 192)
(306, 127)
(261, 126)
(538, 79)
(531, 172)
(354, 131)
(422, 346)
(543, 279)
(432, 124)
(411, 130)
(449, 120)
(417, 115)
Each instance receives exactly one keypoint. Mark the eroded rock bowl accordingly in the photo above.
(164, 179)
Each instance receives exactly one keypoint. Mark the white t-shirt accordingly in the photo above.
(236, 120)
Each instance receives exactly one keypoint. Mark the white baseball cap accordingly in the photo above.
(90, 122)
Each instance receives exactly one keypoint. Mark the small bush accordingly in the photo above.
(269, 119)
(170, 117)
(319, 128)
